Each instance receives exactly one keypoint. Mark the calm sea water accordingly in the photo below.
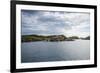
(55, 51)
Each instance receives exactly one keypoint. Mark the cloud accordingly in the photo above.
(52, 22)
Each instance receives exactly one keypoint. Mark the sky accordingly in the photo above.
(55, 23)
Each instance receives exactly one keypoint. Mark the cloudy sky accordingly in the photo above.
(55, 23)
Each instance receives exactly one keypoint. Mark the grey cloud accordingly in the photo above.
(50, 22)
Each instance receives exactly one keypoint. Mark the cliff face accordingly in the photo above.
(27, 38)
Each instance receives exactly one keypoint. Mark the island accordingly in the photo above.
(86, 38)
(52, 38)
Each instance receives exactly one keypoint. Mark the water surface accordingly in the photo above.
(55, 51)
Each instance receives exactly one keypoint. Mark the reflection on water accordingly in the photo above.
(55, 51)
